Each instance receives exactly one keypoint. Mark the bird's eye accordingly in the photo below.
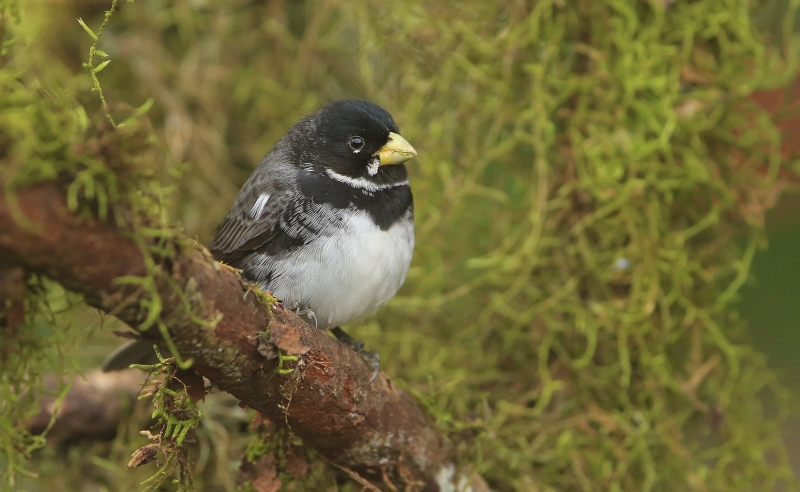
(356, 143)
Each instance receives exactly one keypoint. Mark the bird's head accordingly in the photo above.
(356, 139)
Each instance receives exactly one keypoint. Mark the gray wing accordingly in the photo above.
(254, 220)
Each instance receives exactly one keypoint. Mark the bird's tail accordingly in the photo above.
(133, 352)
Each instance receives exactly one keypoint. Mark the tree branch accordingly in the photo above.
(214, 320)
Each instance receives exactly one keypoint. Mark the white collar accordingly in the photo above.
(363, 183)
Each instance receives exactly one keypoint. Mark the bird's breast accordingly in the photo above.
(350, 267)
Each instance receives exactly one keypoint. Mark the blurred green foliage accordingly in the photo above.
(589, 195)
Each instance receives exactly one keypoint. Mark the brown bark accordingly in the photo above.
(12, 292)
(373, 429)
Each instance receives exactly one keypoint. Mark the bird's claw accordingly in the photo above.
(371, 358)
(305, 313)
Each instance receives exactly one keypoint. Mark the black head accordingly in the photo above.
(351, 138)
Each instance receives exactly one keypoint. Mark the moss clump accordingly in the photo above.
(266, 298)
(177, 415)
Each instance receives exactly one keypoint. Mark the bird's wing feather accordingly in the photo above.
(254, 218)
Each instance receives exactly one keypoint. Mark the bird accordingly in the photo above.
(325, 222)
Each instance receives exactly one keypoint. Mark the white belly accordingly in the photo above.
(347, 273)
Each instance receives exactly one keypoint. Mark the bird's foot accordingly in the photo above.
(305, 313)
(371, 358)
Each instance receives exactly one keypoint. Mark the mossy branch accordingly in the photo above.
(335, 410)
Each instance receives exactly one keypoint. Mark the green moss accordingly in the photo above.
(177, 415)
(266, 298)
(283, 359)
(25, 359)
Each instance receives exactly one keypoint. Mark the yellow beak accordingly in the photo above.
(396, 151)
